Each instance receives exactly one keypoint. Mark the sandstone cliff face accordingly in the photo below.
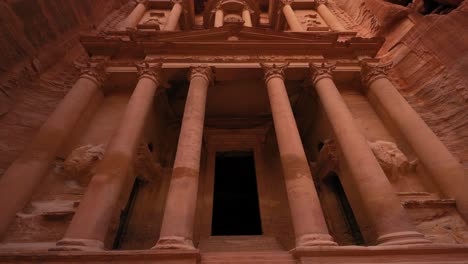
(38, 43)
(430, 58)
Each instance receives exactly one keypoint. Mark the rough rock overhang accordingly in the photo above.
(230, 40)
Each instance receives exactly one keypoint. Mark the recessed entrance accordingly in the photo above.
(235, 206)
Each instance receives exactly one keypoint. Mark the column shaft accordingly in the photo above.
(247, 18)
(444, 168)
(89, 226)
(179, 214)
(135, 16)
(330, 18)
(219, 18)
(291, 17)
(174, 17)
(27, 171)
(308, 221)
(379, 201)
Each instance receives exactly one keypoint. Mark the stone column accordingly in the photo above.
(20, 180)
(135, 16)
(174, 16)
(247, 17)
(219, 17)
(378, 199)
(328, 16)
(291, 17)
(179, 214)
(89, 226)
(309, 224)
(447, 172)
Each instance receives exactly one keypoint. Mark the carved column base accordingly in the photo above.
(174, 242)
(313, 240)
(78, 245)
(402, 238)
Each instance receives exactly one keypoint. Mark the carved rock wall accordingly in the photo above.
(38, 43)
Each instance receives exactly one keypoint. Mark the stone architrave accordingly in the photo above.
(378, 199)
(20, 180)
(90, 223)
(179, 214)
(309, 224)
(432, 154)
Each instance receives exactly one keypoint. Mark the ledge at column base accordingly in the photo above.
(174, 242)
(402, 238)
(69, 244)
(314, 240)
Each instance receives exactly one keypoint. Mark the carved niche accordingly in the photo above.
(392, 160)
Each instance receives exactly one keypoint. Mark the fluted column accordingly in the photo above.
(247, 17)
(308, 221)
(90, 223)
(447, 172)
(179, 214)
(328, 16)
(291, 17)
(219, 17)
(378, 199)
(20, 180)
(174, 16)
(131, 21)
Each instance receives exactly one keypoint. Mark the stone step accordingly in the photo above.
(261, 257)
(239, 243)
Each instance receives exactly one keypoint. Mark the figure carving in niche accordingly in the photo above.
(394, 163)
(233, 19)
(154, 21)
(80, 163)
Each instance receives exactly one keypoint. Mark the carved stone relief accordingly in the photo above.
(391, 159)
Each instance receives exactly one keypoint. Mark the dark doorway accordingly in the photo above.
(126, 214)
(349, 231)
(235, 206)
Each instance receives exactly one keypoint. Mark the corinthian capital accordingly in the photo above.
(286, 2)
(150, 71)
(203, 71)
(371, 72)
(143, 2)
(319, 71)
(94, 71)
(274, 70)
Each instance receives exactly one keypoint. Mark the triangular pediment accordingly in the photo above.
(232, 33)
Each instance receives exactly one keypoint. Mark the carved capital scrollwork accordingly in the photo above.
(150, 71)
(371, 72)
(203, 71)
(274, 70)
(94, 71)
(319, 71)
(287, 2)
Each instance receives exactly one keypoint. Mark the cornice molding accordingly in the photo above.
(371, 72)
